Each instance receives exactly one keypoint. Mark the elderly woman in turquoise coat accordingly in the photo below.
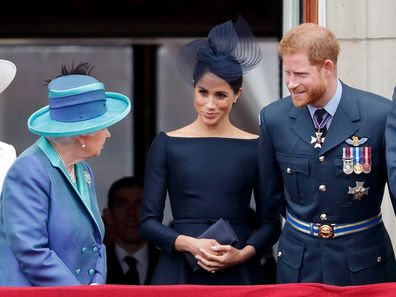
(51, 231)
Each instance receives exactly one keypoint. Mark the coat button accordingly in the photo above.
(323, 217)
(77, 271)
(288, 170)
(322, 188)
(379, 259)
(91, 272)
(321, 159)
(279, 254)
(94, 249)
(84, 250)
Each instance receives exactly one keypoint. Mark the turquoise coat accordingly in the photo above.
(49, 234)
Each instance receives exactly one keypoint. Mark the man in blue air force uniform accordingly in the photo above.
(322, 161)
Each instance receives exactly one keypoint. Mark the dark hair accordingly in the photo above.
(83, 68)
(235, 84)
(229, 52)
(125, 182)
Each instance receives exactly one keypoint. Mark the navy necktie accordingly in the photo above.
(319, 115)
(132, 275)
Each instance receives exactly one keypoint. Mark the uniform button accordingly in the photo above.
(84, 250)
(321, 159)
(279, 254)
(379, 259)
(322, 188)
(91, 272)
(77, 271)
(323, 217)
(288, 170)
(94, 249)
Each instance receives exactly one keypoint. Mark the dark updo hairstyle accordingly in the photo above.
(229, 51)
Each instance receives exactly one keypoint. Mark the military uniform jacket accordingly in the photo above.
(310, 183)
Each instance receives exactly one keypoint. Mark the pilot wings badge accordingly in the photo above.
(355, 141)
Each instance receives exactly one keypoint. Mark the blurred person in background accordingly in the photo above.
(130, 259)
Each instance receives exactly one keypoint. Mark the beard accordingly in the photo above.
(311, 96)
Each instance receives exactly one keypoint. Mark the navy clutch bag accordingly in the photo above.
(221, 231)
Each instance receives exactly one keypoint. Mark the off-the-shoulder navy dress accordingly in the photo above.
(207, 178)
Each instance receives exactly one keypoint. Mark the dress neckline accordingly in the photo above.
(208, 137)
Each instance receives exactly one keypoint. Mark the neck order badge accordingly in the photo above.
(320, 119)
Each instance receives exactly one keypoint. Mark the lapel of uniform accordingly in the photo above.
(303, 125)
(345, 122)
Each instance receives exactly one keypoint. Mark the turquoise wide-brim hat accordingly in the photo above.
(78, 105)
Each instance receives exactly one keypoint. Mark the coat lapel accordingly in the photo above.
(303, 125)
(96, 214)
(93, 207)
(345, 122)
(94, 210)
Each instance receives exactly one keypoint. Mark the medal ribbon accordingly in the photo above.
(323, 123)
(346, 152)
(358, 155)
(367, 154)
(347, 160)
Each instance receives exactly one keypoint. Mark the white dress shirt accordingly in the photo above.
(142, 260)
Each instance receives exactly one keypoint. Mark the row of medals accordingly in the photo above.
(352, 162)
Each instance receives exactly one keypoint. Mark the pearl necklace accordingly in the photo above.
(72, 173)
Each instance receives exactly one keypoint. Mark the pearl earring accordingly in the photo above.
(83, 145)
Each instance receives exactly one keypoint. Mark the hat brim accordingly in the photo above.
(118, 107)
(7, 74)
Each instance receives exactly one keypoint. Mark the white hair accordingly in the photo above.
(61, 141)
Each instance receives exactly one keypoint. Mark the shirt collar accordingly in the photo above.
(141, 256)
(332, 105)
(120, 253)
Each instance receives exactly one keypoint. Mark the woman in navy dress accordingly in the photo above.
(209, 168)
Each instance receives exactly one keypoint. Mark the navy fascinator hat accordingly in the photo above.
(229, 51)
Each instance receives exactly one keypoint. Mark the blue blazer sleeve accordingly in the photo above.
(25, 206)
(154, 196)
(270, 176)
